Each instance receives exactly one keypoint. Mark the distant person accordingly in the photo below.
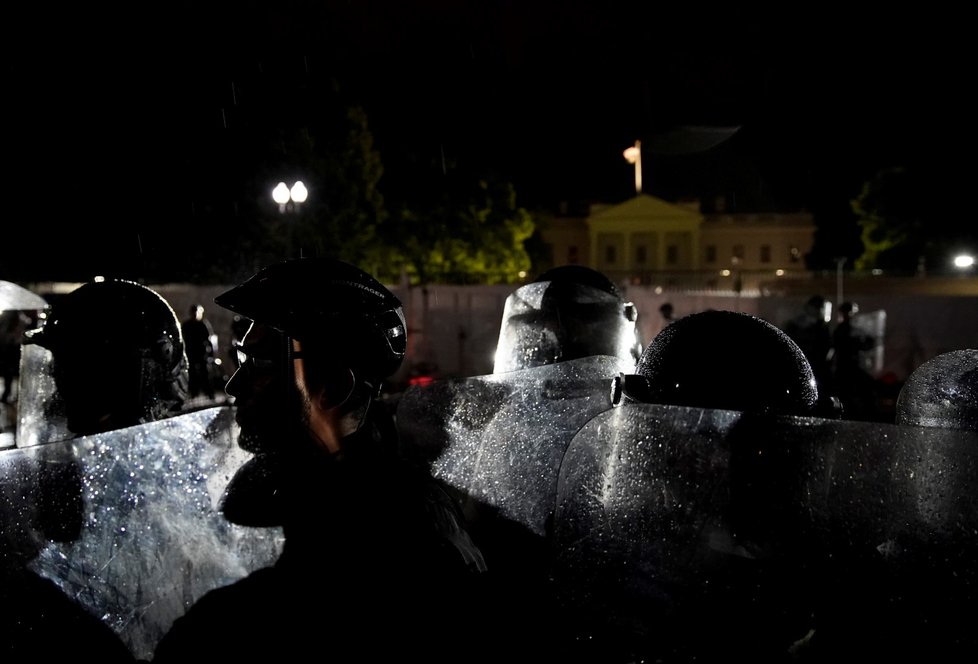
(854, 385)
(666, 311)
(201, 342)
(811, 332)
(118, 356)
(376, 564)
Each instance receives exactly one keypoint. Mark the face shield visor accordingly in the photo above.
(40, 415)
(546, 322)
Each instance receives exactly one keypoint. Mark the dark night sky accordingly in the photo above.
(103, 108)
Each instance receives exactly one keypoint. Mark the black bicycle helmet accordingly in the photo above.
(117, 348)
(327, 301)
(728, 360)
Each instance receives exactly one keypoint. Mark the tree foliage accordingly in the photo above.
(345, 205)
(469, 230)
(906, 224)
(455, 227)
(889, 215)
(287, 123)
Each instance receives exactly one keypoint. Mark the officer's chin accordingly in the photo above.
(252, 496)
(256, 441)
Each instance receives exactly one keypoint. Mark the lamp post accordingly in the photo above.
(840, 263)
(289, 199)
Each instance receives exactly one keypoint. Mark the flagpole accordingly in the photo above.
(633, 155)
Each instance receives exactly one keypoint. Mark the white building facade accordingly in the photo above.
(648, 241)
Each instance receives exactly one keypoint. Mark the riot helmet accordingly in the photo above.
(728, 360)
(327, 303)
(118, 356)
(336, 312)
(942, 392)
(567, 313)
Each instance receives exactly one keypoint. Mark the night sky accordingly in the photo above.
(112, 117)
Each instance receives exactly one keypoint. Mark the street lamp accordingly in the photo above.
(964, 261)
(288, 197)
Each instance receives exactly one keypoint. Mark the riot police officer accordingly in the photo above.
(567, 313)
(368, 537)
(118, 356)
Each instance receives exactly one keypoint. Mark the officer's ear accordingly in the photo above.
(337, 388)
(324, 384)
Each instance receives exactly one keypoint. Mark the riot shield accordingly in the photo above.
(872, 326)
(547, 322)
(40, 417)
(500, 438)
(15, 296)
(686, 533)
(128, 522)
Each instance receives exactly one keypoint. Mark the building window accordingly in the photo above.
(738, 251)
(765, 253)
(610, 254)
(572, 254)
(711, 253)
(794, 254)
(672, 254)
(640, 254)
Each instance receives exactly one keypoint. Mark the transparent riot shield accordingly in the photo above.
(684, 533)
(128, 522)
(547, 322)
(500, 438)
(871, 325)
(20, 311)
(40, 417)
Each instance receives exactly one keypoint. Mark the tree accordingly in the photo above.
(342, 170)
(313, 134)
(906, 222)
(467, 230)
(888, 214)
